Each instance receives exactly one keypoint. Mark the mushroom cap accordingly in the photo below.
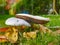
(16, 22)
(31, 18)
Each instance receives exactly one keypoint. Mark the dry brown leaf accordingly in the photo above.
(12, 36)
(29, 35)
(45, 29)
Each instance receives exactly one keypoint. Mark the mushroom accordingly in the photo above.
(12, 33)
(34, 19)
(16, 22)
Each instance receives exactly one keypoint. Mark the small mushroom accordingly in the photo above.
(16, 22)
(34, 19)
(12, 33)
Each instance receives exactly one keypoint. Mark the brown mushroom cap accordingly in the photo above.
(34, 19)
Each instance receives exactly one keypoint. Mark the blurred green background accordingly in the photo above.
(35, 7)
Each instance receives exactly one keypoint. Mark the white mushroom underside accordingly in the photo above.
(16, 22)
(35, 17)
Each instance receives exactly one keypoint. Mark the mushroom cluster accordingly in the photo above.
(22, 20)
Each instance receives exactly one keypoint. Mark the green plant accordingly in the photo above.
(36, 6)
